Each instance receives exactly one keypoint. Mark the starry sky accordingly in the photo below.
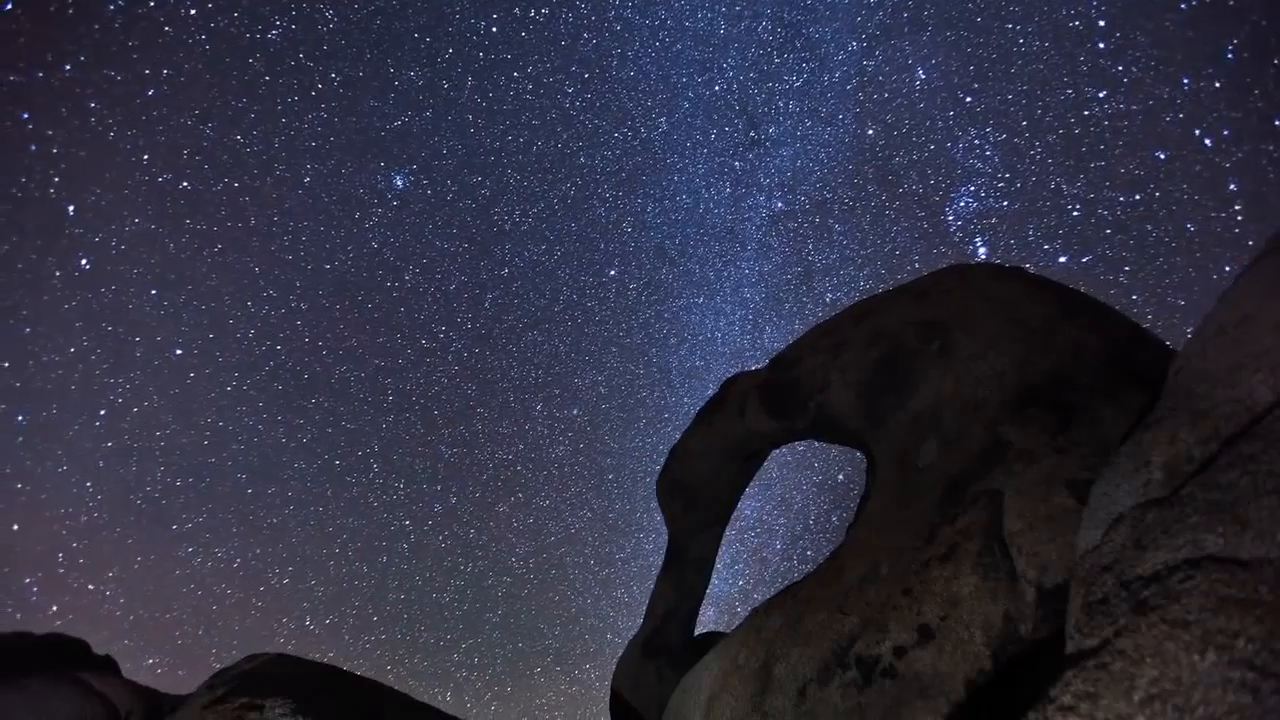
(360, 330)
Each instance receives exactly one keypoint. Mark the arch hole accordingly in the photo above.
(792, 516)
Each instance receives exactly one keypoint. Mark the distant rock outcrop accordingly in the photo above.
(58, 677)
(985, 399)
(274, 686)
(52, 676)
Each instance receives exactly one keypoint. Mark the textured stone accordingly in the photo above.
(985, 399)
(1175, 601)
(1226, 376)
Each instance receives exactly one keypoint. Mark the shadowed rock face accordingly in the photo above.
(51, 676)
(985, 399)
(28, 653)
(1175, 601)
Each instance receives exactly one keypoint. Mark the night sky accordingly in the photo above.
(360, 330)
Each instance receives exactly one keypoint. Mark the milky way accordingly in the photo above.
(360, 330)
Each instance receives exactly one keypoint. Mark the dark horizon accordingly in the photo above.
(361, 332)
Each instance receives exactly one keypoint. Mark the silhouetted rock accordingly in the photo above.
(59, 677)
(1175, 602)
(52, 676)
(285, 687)
(29, 653)
(985, 399)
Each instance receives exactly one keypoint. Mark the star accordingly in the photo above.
(397, 308)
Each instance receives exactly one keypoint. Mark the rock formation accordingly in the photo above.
(51, 676)
(275, 686)
(1175, 599)
(985, 400)
(59, 677)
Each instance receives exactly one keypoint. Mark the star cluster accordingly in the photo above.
(360, 330)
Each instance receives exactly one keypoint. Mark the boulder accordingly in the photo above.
(273, 686)
(1175, 600)
(985, 399)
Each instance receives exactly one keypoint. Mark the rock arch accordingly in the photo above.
(956, 387)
